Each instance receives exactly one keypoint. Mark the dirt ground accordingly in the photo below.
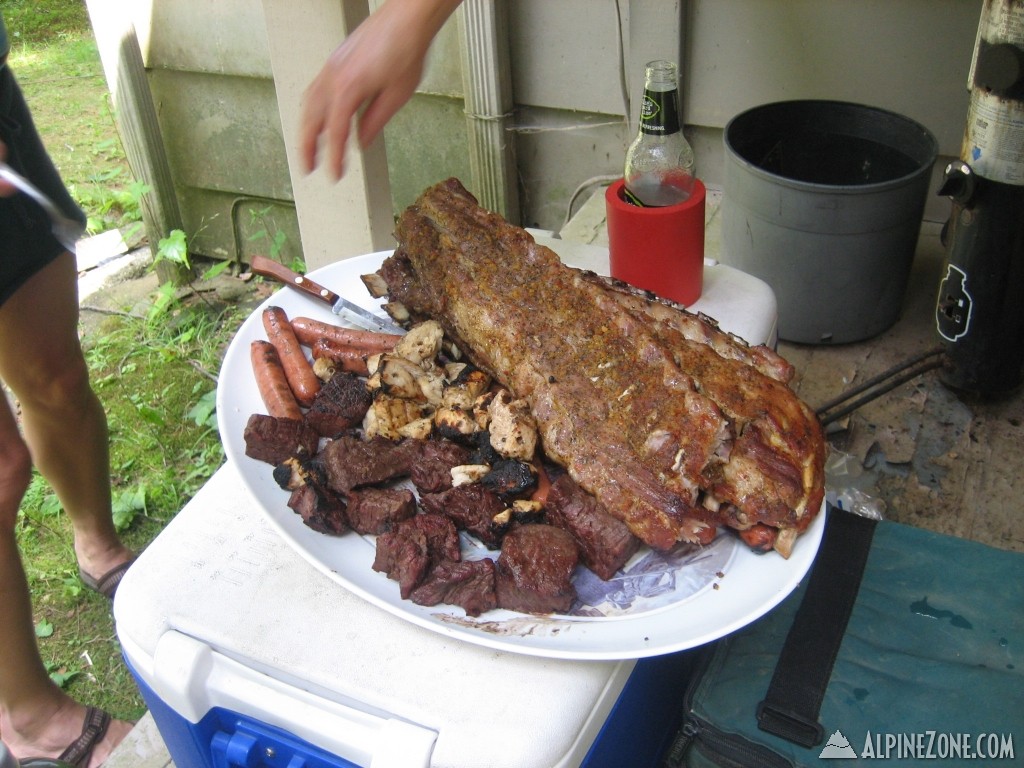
(114, 278)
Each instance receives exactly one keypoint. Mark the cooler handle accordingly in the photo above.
(192, 678)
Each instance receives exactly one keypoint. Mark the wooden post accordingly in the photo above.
(136, 119)
(355, 215)
(487, 78)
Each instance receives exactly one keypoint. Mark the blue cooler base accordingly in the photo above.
(637, 731)
(635, 735)
(225, 739)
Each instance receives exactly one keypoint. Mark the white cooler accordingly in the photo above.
(248, 655)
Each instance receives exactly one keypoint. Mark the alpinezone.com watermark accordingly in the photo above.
(927, 745)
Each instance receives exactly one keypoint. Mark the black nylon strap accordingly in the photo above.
(790, 707)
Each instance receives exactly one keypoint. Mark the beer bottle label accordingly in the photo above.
(659, 112)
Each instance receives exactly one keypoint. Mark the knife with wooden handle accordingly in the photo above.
(341, 306)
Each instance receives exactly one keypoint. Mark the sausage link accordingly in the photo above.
(272, 382)
(304, 383)
(345, 357)
(308, 330)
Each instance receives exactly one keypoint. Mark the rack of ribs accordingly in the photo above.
(676, 427)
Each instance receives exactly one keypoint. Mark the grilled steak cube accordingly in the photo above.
(472, 508)
(320, 508)
(442, 537)
(376, 510)
(274, 440)
(402, 556)
(468, 584)
(432, 470)
(411, 548)
(605, 543)
(341, 404)
(534, 571)
(351, 462)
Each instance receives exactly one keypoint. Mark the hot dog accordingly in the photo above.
(308, 330)
(304, 383)
(272, 382)
(345, 357)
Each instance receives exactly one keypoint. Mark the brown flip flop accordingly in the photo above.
(106, 584)
(80, 750)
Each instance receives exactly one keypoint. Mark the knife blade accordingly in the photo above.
(341, 306)
(65, 229)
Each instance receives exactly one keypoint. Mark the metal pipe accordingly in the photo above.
(487, 82)
(875, 380)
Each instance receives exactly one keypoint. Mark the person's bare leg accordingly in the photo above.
(45, 369)
(37, 719)
(64, 422)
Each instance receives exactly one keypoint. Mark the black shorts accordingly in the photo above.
(26, 241)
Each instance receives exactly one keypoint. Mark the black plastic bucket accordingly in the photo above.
(823, 201)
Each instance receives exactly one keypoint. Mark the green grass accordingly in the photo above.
(30, 21)
(153, 374)
(63, 83)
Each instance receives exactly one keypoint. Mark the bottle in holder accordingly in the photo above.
(659, 163)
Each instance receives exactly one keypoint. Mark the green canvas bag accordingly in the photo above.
(901, 646)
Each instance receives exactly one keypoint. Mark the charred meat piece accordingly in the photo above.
(519, 512)
(376, 510)
(351, 462)
(275, 440)
(662, 423)
(510, 478)
(455, 424)
(320, 508)
(605, 543)
(534, 570)
(468, 583)
(432, 470)
(468, 473)
(341, 404)
(294, 472)
(408, 551)
(483, 451)
(473, 509)
(465, 388)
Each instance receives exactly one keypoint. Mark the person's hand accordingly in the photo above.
(376, 70)
(6, 189)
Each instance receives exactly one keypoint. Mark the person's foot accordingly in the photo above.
(101, 568)
(72, 732)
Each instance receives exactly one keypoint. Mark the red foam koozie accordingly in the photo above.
(658, 249)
